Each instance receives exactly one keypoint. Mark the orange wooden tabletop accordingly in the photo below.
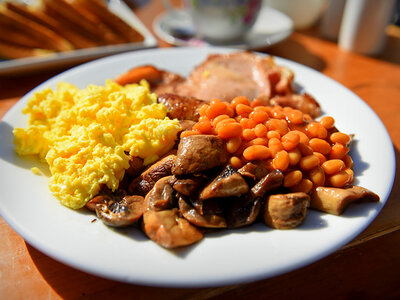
(366, 268)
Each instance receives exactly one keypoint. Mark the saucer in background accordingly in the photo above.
(271, 27)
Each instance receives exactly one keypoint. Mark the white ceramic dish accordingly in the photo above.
(271, 27)
(227, 257)
(12, 66)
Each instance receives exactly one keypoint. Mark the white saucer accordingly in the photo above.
(271, 27)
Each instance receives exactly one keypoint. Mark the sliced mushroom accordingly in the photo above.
(169, 229)
(190, 185)
(228, 183)
(209, 206)
(335, 200)
(121, 213)
(197, 153)
(285, 211)
(161, 196)
(194, 216)
(104, 197)
(145, 182)
(268, 183)
(256, 169)
(244, 211)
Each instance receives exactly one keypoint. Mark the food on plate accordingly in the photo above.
(60, 25)
(179, 166)
(88, 136)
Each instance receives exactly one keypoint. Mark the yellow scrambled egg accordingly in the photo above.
(84, 135)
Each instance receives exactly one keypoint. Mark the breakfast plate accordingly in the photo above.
(28, 64)
(270, 28)
(225, 257)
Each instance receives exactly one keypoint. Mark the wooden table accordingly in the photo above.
(366, 268)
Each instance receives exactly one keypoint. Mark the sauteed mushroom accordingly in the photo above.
(286, 211)
(168, 229)
(244, 211)
(212, 220)
(335, 200)
(121, 213)
(228, 183)
(161, 196)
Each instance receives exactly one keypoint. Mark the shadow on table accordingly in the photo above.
(295, 51)
(70, 283)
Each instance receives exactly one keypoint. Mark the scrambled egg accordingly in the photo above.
(85, 135)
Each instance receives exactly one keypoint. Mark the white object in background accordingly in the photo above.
(363, 25)
(330, 23)
(303, 13)
(219, 21)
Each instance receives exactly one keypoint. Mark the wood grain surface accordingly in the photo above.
(366, 268)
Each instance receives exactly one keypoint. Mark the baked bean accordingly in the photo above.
(340, 179)
(273, 134)
(188, 133)
(259, 116)
(239, 100)
(223, 122)
(305, 149)
(267, 109)
(327, 122)
(338, 151)
(203, 109)
(235, 162)
(233, 144)
(292, 178)
(320, 145)
(260, 130)
(290, 140)
(294, 156)
(256, 152)
(339, 137)
(275, 146)
(321, 157)
(215, 109)
(278, 125)
(248, 134)
(218, 119)
(277, 113)
(303, 137)
(317, 176)
(347, 161)
(333, 166)
(230, 130)
(204, 126)
(281, 160)
(243, 110)
(247, 123)
(316, 130)
(309, 162)
(258, 141)
(295, 116)
(304, 186)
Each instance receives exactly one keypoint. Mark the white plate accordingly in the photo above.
(11, 66)
(271, 27)
(227, 257)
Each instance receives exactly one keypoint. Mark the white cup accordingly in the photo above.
(220, 20)
(363, 25)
